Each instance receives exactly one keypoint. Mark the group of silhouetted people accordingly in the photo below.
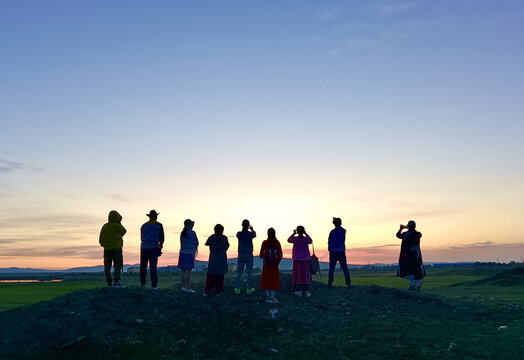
(152, 236)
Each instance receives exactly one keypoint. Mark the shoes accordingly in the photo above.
(237, 291)
(272, 300)
(411, 287)
(205, 294)
(308, 294)
(298, 293)
(109, 285)
(250, 291)
(187, 290)
(155, 288)
(118, 285)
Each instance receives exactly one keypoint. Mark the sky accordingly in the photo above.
(282, 112)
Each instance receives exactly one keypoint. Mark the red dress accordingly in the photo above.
(270, 278)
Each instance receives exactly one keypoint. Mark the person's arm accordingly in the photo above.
(161, 237)
(253, 232)
(263, 250)
(226, 244)
(291, 239)
(123, 230)
(280, 253)
(196, 241)
(100, 241)
(309, 240)
(399, 232)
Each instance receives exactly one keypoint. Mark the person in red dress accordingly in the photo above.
(271, 253)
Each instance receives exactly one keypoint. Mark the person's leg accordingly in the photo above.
(249, 270)
(209, 283)
(332, 264)
(153, 261)
(143, 267)
(183, 278)
(107, 267)
(344, 266)
(118, 260)
(240, 270)
(219, 284)
(188, 279)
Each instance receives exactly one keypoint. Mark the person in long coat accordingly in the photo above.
(410, 264)
(271, 253)
(217, 264)
(301, 275)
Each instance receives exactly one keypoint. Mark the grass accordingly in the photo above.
(452, 318)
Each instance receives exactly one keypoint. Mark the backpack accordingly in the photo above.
(271, 256)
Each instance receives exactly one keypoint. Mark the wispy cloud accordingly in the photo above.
(7, 166)
(387, 8)
(118, 197)
(328, 14)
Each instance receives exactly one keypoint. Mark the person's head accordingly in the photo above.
(245, 224)
(301, 230)
(219, 229)
(337, 221)
(188, 224)
(271, 234)
(412, 225)
(153, 215)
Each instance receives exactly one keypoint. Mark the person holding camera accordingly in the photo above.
(301, 275)
(410, 265)
(245, 257)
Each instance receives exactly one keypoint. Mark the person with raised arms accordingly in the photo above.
(301, 275)
(410, 265)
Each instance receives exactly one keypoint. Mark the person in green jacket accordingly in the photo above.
(112, 242)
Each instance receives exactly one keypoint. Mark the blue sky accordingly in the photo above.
(283, 112)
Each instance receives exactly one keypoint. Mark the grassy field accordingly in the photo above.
(462, 313)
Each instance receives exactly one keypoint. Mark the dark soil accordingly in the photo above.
(363, 322)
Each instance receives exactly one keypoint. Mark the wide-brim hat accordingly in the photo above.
(153, 213)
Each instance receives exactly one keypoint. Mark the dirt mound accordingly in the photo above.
(141, 323)
(512, 277)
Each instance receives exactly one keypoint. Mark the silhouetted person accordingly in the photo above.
(188, 250)
(111, 240)
(271, 253)
(217, 264)
(410, 265)
(245, 256)
(337, 251)
(301, 275)
(152, 235)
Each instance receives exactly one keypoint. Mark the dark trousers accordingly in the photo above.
(214, 281)
(113, 257)
(339, 256)
(149, 256)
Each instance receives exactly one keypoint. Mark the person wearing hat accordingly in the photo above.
(152, 236)
(245, 256)
(111, 239)
(410, 265)
(186, 258)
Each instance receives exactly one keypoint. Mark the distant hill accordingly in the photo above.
(286, 265)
